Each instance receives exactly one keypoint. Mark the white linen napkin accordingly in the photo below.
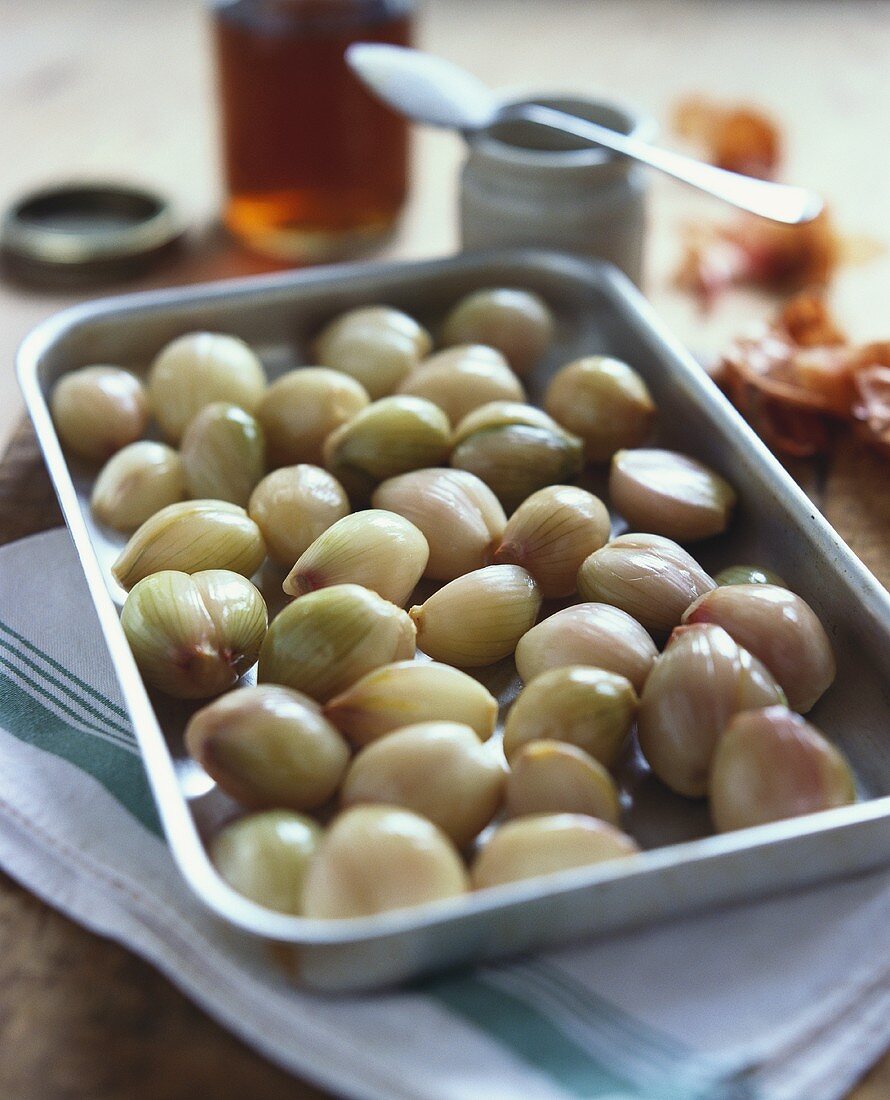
(787, 999)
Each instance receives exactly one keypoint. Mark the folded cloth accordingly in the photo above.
(787, 999)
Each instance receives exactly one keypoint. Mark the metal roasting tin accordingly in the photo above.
(684, 867)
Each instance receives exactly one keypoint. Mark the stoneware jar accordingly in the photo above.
(524, 185)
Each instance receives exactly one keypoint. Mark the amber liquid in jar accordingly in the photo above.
(316, 167)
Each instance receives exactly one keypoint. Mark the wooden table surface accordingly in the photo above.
(114, 87)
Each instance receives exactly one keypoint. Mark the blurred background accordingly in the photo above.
(112, 89)
(128, 91)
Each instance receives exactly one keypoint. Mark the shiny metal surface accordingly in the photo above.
(684, 868)
(433, 90)
(780, 202)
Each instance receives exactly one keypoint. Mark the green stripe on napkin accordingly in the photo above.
(56, 719)
(13, 638)
(530, 1036)
(513, 1014)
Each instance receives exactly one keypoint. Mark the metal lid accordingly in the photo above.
(86, 233)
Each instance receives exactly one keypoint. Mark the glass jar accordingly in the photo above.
(316, 168)
(524, 185)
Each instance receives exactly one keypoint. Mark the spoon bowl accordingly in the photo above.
(423, 87)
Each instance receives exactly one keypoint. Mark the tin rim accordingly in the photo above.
(82, 224)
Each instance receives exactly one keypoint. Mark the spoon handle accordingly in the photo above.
(777, 201)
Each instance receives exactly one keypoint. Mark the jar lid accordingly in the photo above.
(86, 233)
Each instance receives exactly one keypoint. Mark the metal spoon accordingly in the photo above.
(432, 90)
